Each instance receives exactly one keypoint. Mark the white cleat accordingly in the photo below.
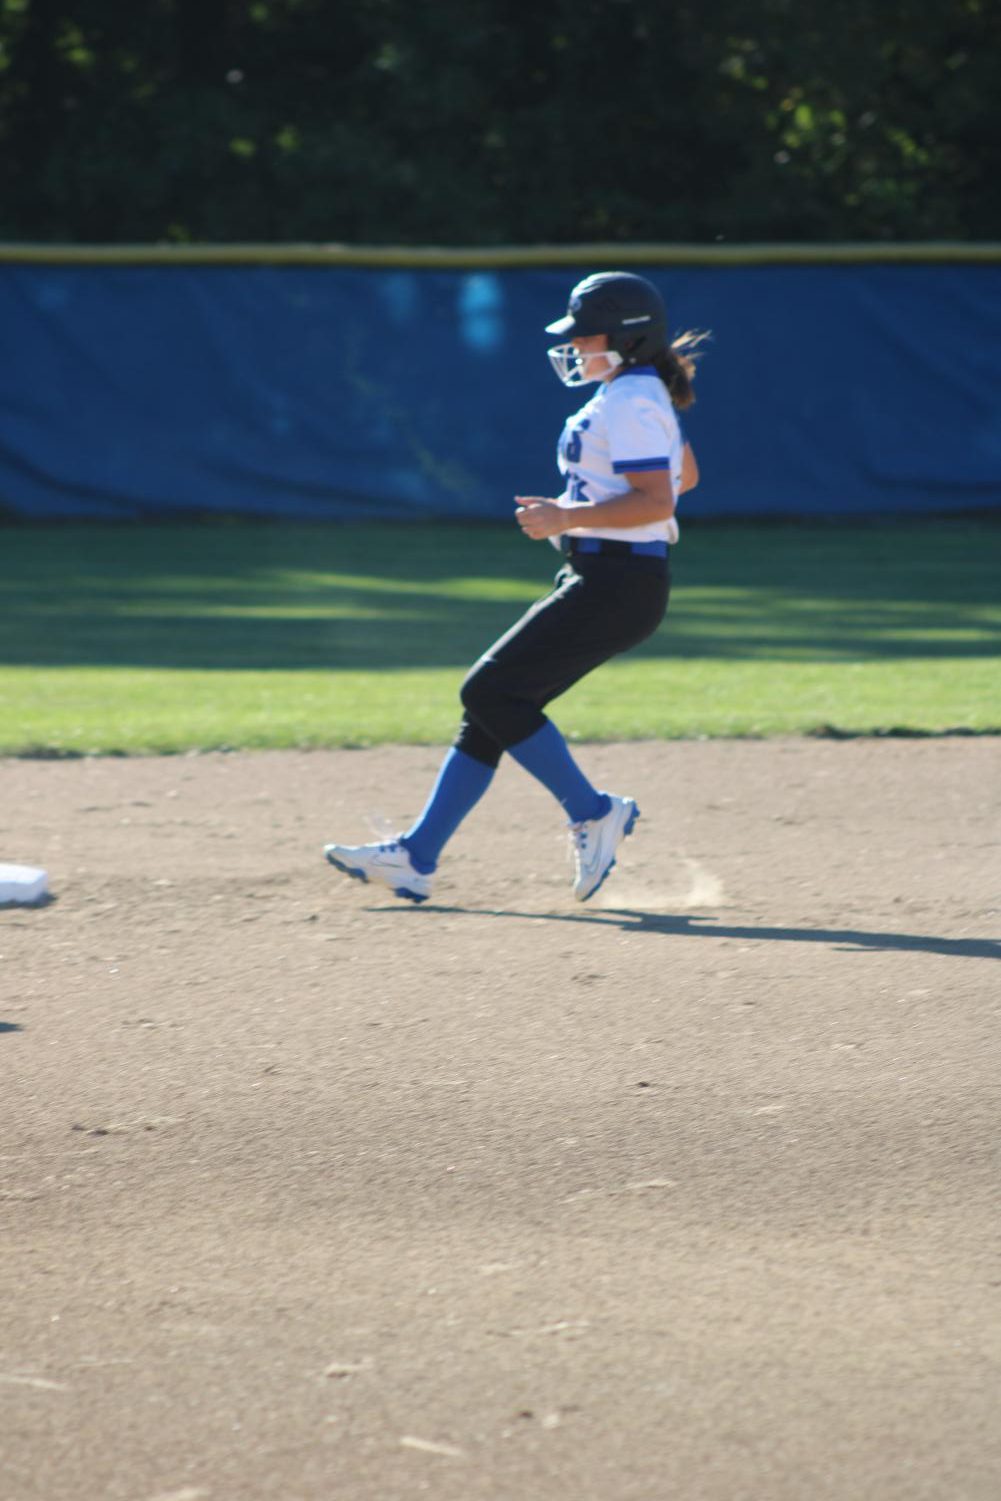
(388, 863)
(595, 843)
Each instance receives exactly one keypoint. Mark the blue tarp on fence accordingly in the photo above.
(357, 393)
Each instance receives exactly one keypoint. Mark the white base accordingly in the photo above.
(22, 883)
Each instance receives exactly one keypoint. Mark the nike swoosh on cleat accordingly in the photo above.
(600, 882)
(357, 875)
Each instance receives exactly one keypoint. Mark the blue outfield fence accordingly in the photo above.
(328, 390)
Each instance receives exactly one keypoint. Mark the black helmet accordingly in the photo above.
(625, 307)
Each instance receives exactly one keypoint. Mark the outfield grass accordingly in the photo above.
(170, 638)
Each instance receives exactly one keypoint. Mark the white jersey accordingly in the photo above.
(629, 425)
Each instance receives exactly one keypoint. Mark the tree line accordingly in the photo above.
(474, 122)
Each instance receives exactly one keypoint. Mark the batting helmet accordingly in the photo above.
(627, 308)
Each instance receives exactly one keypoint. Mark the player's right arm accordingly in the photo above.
(689, 470)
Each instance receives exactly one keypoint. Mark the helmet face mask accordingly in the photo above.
(574, 366)
(624, 307)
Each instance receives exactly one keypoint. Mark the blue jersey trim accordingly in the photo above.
(620, 466)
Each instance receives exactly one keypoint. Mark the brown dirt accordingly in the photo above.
(689, 1193)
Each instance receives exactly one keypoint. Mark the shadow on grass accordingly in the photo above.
(371, 598)
(848, 940)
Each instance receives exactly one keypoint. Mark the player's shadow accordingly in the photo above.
(11, 1027)
(850, 940)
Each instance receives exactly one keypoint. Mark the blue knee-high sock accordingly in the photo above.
(461, 783)
(547, 756)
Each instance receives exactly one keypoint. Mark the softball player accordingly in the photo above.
(625, 463)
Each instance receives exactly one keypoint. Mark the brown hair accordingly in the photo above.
(676, 368)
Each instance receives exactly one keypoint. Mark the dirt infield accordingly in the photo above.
(690, 1193)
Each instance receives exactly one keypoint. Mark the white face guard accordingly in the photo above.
(576, 369)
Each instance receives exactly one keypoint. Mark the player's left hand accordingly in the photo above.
(540, 518)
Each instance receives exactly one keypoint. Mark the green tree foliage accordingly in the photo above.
(472, 122)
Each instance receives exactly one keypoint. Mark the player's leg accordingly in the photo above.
(598, 613)
(463, 780)
(407, 863)
(465, 774)
(598, 610)
(585, 620)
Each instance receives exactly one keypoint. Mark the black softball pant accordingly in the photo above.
(599, 606)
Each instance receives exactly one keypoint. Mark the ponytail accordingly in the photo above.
(676, 368)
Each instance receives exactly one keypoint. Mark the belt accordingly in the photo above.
(613, 547)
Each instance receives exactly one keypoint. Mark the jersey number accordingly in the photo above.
(573, 440)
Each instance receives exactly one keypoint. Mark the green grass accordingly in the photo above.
(169, 638)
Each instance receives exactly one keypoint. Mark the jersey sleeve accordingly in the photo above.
(638, 437)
